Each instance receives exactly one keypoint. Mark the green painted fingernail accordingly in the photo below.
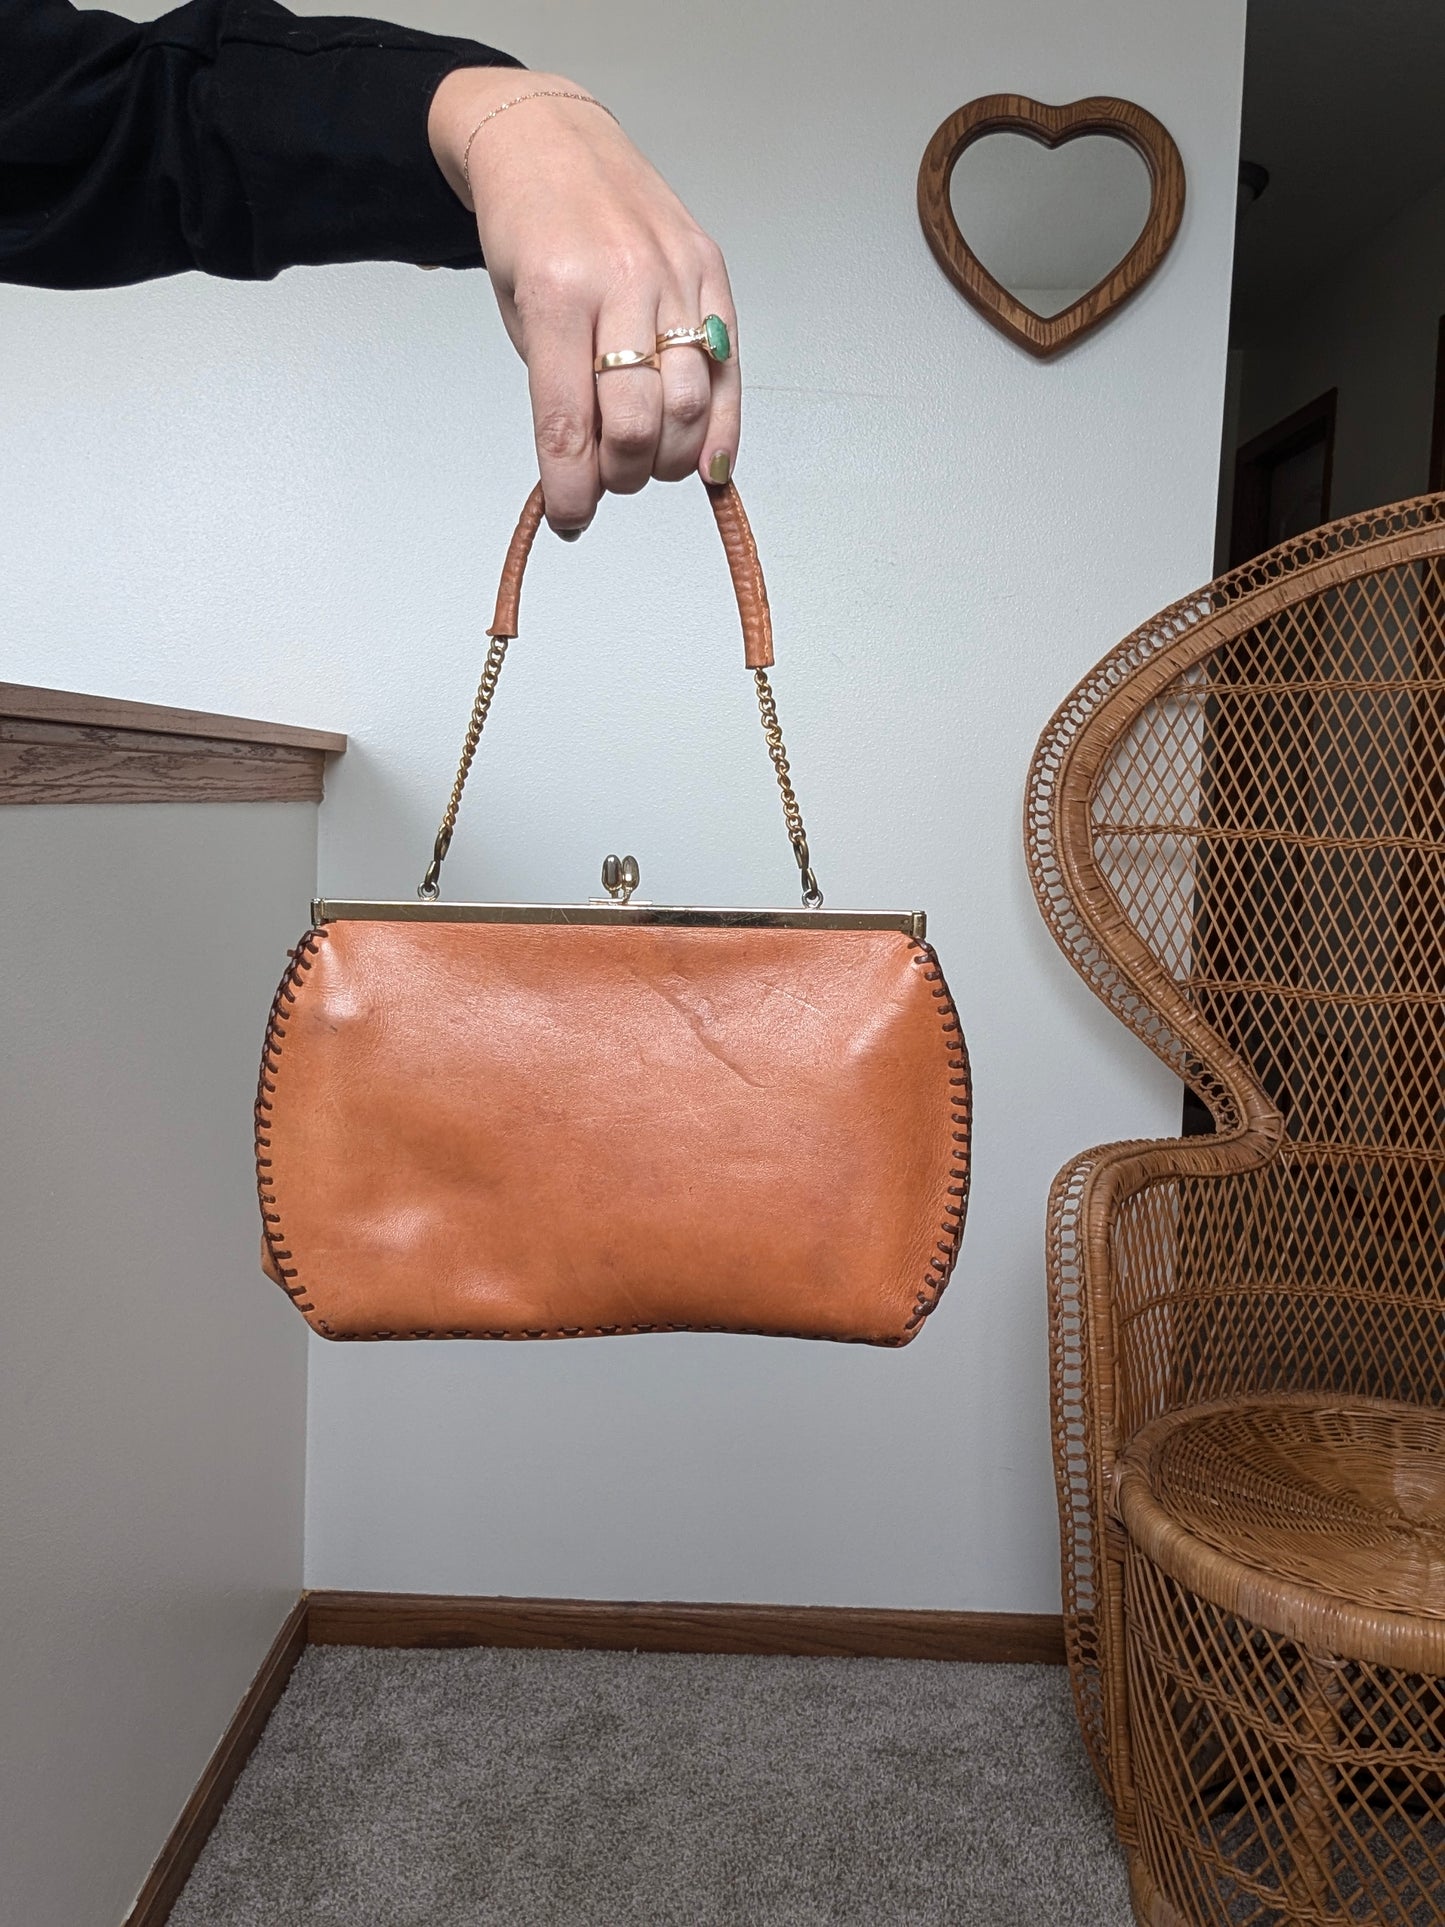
(720, 467)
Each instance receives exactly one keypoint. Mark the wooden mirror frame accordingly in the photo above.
(1123, 120)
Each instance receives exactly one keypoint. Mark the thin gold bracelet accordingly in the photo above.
(542, 93)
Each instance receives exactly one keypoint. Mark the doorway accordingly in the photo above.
(1282, 479)
(1337, 346)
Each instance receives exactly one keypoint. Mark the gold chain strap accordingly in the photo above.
(430, 886)
(792, 811)
(429, 889)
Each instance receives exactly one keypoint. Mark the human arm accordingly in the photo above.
(229, 136)
(236, 138)
(589, 249)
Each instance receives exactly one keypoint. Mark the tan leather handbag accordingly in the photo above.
(495, 1120)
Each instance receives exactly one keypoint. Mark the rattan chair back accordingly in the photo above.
(1236, 832)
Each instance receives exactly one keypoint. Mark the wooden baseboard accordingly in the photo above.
(201, 1812)
(590, 1625)
(843, 1632)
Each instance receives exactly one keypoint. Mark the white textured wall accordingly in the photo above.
(152, 1388)
(297, 497)
(1369, 327)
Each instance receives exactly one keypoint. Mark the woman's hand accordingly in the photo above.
(590, 251)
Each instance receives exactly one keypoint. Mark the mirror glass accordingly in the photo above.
(1048, 223)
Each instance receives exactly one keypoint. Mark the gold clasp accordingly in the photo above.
(620, 877)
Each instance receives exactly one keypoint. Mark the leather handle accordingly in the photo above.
(752, 597)
(738, 545)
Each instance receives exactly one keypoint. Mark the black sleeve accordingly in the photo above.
(229, 136)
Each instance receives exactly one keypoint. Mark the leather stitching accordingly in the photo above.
(746, 569)
(301, 960)
(930, 1292)
(755, 567)
(598, 1331)
(940, 1269)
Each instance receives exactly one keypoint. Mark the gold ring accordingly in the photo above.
(710, 334)
(625, 358)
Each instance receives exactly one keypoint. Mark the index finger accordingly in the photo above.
(563, 389)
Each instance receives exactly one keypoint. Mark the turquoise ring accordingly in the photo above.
(711, 335)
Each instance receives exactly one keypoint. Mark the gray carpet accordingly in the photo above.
(523, 1789)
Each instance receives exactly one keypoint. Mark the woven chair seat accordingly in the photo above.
(1318, 1517)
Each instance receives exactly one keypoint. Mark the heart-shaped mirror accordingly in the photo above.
(1055, 312)
(1050, 223)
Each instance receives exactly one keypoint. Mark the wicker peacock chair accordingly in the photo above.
(1236, 829)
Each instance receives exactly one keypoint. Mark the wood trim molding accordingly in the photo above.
(1254, 462)
(438, 1619)
(571, 1625)
(1436, 479)
(60, 747)
(114, 712)
(173, 1866)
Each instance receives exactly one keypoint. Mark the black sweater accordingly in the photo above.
(230, 136)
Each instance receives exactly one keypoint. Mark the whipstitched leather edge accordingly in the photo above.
(940, 1269)
(301, 960)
